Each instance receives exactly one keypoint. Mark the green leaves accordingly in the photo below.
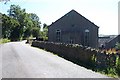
(35, 32)
(8, 24)
(19, 24)
(118, 46)
(44, 33)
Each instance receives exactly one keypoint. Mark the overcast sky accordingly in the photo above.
(103, 13)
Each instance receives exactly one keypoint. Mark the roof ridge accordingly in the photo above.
(76, 13)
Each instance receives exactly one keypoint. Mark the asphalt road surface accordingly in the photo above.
(20, 60)
(0, 62)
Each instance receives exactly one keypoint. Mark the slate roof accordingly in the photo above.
(71, 13)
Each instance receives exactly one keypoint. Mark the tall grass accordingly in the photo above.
(2, 41)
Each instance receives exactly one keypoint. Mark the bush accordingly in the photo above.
(118, 46)
(118, 66)
(2, 41)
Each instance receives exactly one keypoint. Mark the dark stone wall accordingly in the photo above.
(81, 55)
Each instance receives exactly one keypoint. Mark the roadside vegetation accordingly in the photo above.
(117, 46)
(20, 25)
(2, 41)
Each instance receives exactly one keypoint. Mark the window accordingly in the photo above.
(58, 35)
(71, 41)
(86, 38)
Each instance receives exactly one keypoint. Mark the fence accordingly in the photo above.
(77, 53)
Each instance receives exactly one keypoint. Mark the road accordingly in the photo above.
(20, 60)
(0, 62)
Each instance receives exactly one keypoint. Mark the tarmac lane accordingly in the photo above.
(20, 60)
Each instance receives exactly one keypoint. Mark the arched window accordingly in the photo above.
(58, 35)
(86, 37)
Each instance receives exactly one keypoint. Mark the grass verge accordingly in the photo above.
(2, 41)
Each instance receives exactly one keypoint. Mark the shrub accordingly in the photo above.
(118, 65)
(118, 46)
(4, 41)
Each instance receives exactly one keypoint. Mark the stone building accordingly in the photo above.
(112, 43)
(75, 29)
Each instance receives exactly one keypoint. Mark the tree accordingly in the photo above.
(29, 22)
(35, 20)
(32, 25)
(8, 26)
(45, 26)
(0, 25)
(20, 25)
(19, 14)
(36, 32)
(15, 34)
(44, 33)
(28, 26)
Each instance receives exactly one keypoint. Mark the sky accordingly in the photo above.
(103, 13)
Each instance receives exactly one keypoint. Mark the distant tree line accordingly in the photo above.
(19, 24)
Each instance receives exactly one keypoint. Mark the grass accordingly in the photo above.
(2, 41)
(111, 72)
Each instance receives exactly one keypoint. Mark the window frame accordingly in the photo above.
(58, 35)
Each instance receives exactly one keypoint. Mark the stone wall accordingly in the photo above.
(82, 55)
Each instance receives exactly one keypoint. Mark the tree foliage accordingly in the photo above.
(44, 33)
(19, 24)
(8, 26)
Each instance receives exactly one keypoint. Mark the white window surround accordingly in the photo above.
(86, 30)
